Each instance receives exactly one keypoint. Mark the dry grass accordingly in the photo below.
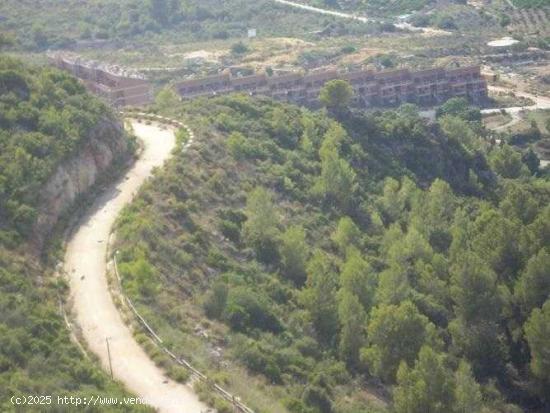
(540, 117)
(495, 120)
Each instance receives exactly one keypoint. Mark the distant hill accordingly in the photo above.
(41, 25)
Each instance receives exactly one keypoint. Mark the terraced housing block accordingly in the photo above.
(117, 89)
(385, 88)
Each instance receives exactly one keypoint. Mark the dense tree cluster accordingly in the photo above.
(377, 248)
(55, 25)
(44, 118)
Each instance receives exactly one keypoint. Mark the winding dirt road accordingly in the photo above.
(323, 11)
(92, 304)
(362, 19)
(541, 102)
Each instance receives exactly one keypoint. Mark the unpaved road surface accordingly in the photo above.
(514, 112)
(92, 304)
(541, 102)
(323, 11)
(361, 18)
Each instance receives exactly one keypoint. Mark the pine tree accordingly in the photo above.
(261, 228)
(346, 234)
(358, 277)
(294, 252)
(537, 333)
(352, 319)
(336, 95)
(467, 391)
(426, 388)
(476, 331)
(319, 296)
(395, 334)
(338, 179)
(533, 287)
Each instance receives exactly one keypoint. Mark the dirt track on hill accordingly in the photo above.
(430, 31)
(91, 301)
(319, 10)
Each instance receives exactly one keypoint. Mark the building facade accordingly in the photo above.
(117, 89)
(385, 88)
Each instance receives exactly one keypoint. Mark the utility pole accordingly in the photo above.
(109, 354)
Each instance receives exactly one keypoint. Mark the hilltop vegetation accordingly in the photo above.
(44, 118)
(53, 24)
(349, 262)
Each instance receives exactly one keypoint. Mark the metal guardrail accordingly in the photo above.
(234, 400)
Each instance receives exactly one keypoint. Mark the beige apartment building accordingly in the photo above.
(117, 89)
(371, 88)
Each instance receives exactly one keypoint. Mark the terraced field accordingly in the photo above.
(531, 21)
(531, 3)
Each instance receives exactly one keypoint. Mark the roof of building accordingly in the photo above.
(428, 72)
(464, 69)
(245, 80)
(76, 60)
(289, 77)
(393, 74)
(361, 74)
(324, 75)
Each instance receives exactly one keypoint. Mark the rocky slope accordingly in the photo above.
(106, 146)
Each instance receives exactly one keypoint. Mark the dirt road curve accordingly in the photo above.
(323, 11)
(91, 301)
(541, 101)
(362, 19)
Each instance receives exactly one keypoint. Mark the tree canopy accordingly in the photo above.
(336, 95)
(374, 247)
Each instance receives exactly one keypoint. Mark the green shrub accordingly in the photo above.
(260, 361)
(247, 309)
(230, 230)
(223, 406)
(216, 300)
(179, 374)
(239, 48)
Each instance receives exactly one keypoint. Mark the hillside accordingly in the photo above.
(319, 265)
(371, 8)
(47, 122)
(61, 24)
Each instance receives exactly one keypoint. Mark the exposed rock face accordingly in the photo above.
(75, 176)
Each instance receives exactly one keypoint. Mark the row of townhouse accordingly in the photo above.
(371, 88)
(117, 89)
